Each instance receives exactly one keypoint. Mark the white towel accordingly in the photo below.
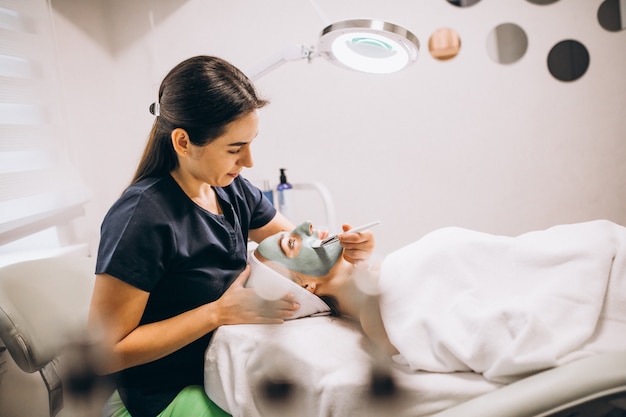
(271, 285)
(459, 300)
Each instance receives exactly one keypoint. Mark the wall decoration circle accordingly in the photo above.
(568, 60)
(507, 43)
(444, 44)
(612, 15)
(463, 3)
(542, 2)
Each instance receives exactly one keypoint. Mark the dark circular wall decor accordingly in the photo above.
(542, 2)
(463, 3)
(568, 60)
(610, 15)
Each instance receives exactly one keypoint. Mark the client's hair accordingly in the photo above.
(332, 303)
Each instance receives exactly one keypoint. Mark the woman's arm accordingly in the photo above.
(117, 307)
(278, 224)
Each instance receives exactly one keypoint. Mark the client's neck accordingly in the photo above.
(345, 288)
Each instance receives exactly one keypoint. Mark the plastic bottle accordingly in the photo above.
(284, 194)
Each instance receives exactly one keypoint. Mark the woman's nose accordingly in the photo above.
(246, 159)
(310, 287)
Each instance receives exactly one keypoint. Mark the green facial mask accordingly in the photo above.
(310, 261)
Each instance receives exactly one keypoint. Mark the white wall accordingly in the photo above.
(467, 142)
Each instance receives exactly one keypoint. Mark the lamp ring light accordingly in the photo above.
(365, 45)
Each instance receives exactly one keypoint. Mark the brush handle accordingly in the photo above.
(357, 229)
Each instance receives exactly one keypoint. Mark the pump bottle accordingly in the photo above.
(284, 190)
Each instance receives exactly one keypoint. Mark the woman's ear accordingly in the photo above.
(180, 141)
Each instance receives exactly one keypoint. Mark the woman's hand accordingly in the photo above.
(240, 305)
(357, 247)
(117, 307)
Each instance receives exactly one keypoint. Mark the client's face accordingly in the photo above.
(299, 251)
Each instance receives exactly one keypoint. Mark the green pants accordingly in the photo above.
(191, 401)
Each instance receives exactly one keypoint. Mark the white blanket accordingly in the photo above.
(458, 300)
(328, 364)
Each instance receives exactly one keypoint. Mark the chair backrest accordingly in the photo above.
(44, 303)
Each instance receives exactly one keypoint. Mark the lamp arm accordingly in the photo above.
(291, 52)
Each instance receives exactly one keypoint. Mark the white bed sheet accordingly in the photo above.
(329, 363)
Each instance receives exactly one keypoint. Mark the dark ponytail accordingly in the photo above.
(201, 95)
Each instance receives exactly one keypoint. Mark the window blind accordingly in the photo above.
(39, 187)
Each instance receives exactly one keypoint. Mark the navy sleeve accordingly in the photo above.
(136, 241)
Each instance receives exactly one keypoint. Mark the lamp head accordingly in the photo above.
(367, 45)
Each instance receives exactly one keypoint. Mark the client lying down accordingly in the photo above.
(460, 300)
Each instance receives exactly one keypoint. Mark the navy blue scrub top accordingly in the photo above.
(157, 239)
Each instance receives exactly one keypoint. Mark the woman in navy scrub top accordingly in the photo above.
(171, 264)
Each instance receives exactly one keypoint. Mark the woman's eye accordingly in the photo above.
(235, 152)
(291, 243)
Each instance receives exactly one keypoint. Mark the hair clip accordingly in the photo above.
(155, 109)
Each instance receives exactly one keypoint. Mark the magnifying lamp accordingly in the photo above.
(365, 45)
